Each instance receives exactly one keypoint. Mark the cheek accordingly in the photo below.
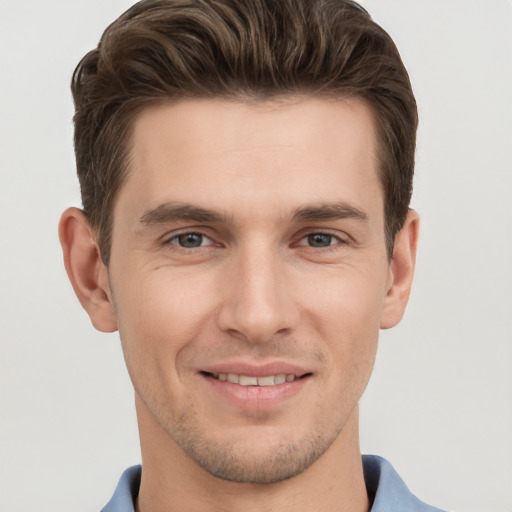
(346, 300)
(159, 317)
(345, 308)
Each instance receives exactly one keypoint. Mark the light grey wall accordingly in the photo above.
(439, 405)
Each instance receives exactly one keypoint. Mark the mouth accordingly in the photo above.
(250, 380)
(254, 387)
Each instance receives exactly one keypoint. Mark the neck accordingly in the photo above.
(172, 482)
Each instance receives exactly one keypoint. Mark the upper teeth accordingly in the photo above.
(245, 380)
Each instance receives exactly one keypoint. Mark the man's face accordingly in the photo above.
(248, 248)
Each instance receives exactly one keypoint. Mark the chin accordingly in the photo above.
(244, 461)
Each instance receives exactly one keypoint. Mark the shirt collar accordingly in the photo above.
(127, 490)
(385, 488)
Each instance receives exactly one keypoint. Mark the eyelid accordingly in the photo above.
(341, 238)
(169, 238)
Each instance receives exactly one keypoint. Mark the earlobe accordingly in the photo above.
(86, 270)
(401, 272)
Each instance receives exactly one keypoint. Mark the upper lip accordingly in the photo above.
(257, 370)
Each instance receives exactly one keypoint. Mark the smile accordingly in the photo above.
(246, 380)
(253, 388)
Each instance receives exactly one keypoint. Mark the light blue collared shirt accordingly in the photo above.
(385, 488)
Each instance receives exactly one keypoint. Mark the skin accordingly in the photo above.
(286, 264)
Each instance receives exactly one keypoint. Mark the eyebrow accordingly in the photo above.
(329, 211)
(172, 212)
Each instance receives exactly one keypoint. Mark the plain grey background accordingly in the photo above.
(439, 405)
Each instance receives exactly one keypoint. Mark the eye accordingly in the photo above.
(190, 240)
(319, 240)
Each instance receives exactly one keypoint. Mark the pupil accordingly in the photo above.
(190, 240)
(319, 240)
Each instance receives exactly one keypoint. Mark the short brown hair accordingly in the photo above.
(242, 49)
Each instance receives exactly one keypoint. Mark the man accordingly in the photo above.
(246, 171)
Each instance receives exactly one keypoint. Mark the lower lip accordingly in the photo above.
(256, 397)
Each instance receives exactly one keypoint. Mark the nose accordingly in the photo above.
(258, 302)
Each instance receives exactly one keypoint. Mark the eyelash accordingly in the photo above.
(338, 241)
(176, 237)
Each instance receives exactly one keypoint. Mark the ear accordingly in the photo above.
(401, 271)
(86, 270)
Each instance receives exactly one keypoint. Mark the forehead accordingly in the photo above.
(276, 154)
